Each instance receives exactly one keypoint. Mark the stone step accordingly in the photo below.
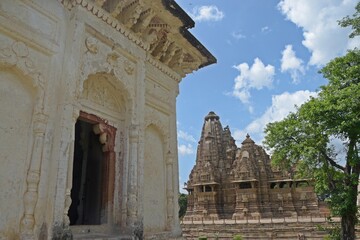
(98, 236)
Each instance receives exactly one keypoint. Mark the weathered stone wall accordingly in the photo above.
(290, 229)
(115, 65)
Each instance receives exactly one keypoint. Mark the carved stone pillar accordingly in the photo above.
(67, 204)
(132, 169)
(169, 190)
(33, 176)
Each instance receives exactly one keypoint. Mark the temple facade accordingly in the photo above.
(228, 182)
(88, 117)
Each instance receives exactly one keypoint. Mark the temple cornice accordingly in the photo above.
(162, 34)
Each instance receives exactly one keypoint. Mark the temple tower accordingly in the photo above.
(228, 182)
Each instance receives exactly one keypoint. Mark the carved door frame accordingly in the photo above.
(108, 169)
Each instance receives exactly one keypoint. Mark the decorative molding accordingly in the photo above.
(100, 59)
(18, 55)
(144, 27)
(164, 69)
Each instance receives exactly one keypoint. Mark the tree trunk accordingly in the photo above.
(348, 227)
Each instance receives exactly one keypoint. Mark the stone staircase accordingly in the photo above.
(98, 236)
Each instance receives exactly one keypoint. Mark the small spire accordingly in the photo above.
(248, 140)
(212, 115)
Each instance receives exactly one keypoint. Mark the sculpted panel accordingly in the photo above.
(98, 89)
(16, 105)
(99, 57)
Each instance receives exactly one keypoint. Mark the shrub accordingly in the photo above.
(237, 237)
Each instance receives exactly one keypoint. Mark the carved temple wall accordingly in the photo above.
(81, 75)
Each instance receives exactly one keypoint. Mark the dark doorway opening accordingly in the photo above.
(87, 206)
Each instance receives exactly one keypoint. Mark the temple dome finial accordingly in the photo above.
(248, 140)
(211, 115)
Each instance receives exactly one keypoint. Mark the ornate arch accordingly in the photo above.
(153, 118)
(99, 58)
(17, 55)
(107, 91)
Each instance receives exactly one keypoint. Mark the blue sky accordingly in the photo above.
(268, 55)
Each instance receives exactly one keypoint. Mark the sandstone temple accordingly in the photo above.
(88, 117)
(228, 182)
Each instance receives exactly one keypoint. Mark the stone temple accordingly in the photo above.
(228, 182)
(88, 117)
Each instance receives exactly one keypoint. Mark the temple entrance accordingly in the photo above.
(92, 190)
(86, 193)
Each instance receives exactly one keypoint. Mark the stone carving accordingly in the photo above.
(144, 26)
(129, 67)
(91, 44)
(250, 188)
(18, 55)
(99, 90)
(94, 58)
(107, 61)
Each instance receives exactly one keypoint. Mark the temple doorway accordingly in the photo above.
(86, 193)
(93, 171)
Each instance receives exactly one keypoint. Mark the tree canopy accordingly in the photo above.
(309, 139)
(354, 22)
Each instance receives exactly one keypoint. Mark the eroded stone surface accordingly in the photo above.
(88, 100)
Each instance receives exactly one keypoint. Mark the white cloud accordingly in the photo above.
(186, 136)
(256, 76)
(280, 107)
(185, 149)
(290, 63)
(323, 37)
(237, 35)
(207, 13)
(265, 29)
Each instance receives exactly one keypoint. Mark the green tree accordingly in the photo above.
(354, 22)
(304, 139)
(182, 204)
